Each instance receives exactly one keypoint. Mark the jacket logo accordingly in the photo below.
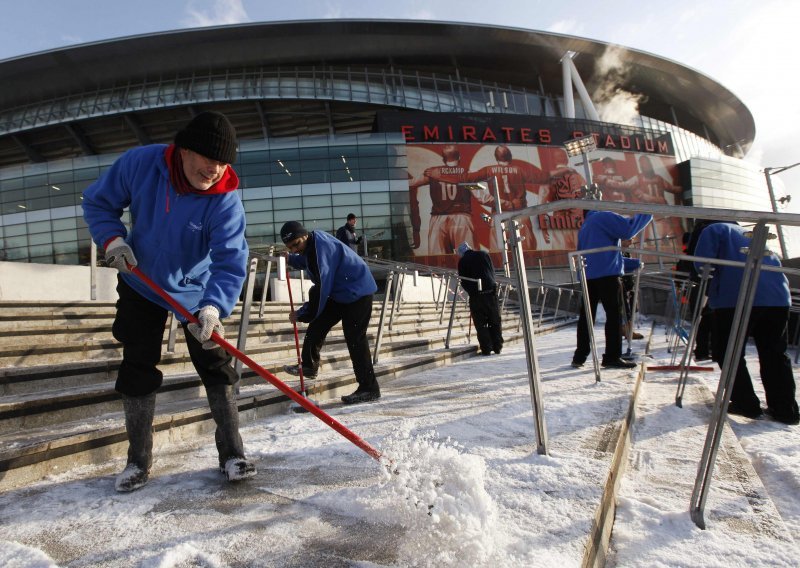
(196, 227)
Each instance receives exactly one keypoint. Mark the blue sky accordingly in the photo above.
(748, 46)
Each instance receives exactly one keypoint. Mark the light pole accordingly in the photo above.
(768, 172)
(582, 147)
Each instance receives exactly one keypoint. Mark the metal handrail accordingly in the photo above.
(753, 265)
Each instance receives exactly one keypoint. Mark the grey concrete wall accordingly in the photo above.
(22, 281)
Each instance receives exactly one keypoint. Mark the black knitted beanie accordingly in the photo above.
(210, 134)
(291, 230)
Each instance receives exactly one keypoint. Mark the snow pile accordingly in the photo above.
(15, 554)
(187, 555)
(437, 493)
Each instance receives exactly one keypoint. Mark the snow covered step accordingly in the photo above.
(46, 407)
(39, 346)
(30, 454)
(47, 366)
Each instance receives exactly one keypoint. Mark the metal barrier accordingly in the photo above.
(752, 266)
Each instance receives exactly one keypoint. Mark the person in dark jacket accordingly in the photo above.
(347, 233)
(343, 291)
(188, 236)
(483, 304)
(603, 272)
(769, 321)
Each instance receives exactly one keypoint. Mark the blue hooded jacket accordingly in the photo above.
(723, 240)
(603, 229)
(343, 275)
(192, 245)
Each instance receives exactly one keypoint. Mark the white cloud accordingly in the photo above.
(221, 12)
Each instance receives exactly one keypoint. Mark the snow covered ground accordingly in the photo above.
(468, 488)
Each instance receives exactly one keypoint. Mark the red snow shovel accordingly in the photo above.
(295, 407)
(263, 373)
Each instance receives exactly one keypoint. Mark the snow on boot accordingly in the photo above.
(139, 411)
(222, 402)
(236, 469)
(132, 478)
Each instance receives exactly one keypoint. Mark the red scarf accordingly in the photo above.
(228, 182)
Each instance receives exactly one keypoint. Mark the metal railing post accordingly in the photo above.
(530, 347)
(698, 309)
(266, 284)
(92, 270)
(587, 308)
(558, 302)
(398, 287)
(741, 319)
(452, 315)
(444, 299)
(173, 329)
(382, 319)
(245, 320)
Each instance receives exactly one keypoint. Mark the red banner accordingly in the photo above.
(451, 195)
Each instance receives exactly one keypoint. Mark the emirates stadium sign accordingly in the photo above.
(515, 129)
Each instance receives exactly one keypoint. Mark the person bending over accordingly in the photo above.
(343, 291)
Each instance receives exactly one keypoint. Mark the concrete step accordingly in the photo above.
(58, 403)
(40, 347)
(59, 364)
(81, 370)
(30, 453)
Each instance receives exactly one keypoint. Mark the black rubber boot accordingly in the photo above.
(139, 411)
(222, 402)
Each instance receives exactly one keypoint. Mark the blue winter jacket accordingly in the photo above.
(630, 265)
(723, 240)
(343, 275)
(193, 245)
(602, 229)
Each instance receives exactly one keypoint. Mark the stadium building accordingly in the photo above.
(419, 128)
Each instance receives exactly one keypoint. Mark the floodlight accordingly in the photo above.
(578, 146)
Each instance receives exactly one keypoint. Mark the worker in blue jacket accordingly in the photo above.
(603, 279)
(187, 234)
(769, 320)
(343, 291)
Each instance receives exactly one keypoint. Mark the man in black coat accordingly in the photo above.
(347, 233)
(483, 304)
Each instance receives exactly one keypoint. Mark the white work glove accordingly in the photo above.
(119, 255)
(208, 318)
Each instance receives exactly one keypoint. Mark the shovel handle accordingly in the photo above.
(263, 373)
(296, 336)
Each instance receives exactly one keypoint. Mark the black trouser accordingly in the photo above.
(485, 310)
(703, 345)
(139, 326)
(607, 291)
(355, 320)
(769, 328)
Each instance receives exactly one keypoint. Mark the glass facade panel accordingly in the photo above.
(316, 201)
(40, 227)
(287, 191)
(295, 203)
(317, 213)
(317, 180)
(343, 212)
(259, 217)
(347, 199)
(61, 224)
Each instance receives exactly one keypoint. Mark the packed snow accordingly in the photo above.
(460, 483)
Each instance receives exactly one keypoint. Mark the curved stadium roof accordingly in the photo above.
(291, 78)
